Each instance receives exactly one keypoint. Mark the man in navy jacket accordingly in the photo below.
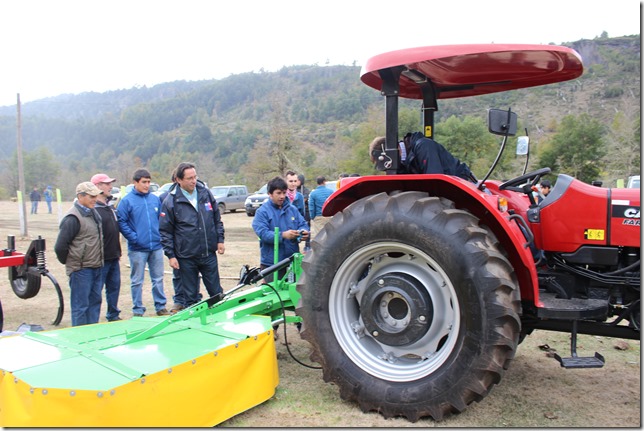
(192, 234)
(426, 156)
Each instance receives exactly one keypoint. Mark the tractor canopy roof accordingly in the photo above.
(471, 70)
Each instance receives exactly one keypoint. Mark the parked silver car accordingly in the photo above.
(230, 198)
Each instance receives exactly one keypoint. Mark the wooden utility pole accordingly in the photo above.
(21, 177)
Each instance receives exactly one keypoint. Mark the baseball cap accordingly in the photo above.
(102, 178)
(88, 188)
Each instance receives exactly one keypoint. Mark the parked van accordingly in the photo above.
(230, 198)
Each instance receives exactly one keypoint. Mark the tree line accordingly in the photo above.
(318, 120)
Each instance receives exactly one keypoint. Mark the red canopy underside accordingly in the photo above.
(470, 70)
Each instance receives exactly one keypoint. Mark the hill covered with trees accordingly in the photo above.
(319, 120)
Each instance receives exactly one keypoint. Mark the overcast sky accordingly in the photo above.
(52, 47)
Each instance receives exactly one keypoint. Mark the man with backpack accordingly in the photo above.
(192, 234)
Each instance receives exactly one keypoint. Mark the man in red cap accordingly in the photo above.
(111, 276)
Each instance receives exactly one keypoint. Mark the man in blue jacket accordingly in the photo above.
(192, 234)
(278, 212)
(138, 217)
(316, 202)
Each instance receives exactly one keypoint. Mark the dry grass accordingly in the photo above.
(535, 391)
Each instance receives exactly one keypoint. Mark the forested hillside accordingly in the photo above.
(316, 120)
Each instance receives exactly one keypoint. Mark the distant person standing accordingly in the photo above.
(305, 193)
(34, 197)
(79, 247)
(316, 202)
(138, 216)
(178, 297)
(294, 196)
(192, 235)
(111, 274)
(49, 196)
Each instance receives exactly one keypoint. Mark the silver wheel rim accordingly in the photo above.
(385, 361)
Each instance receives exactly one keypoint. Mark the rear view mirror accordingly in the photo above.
(522, 145)
(500, 122)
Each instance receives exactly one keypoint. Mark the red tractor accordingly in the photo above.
(418, 291)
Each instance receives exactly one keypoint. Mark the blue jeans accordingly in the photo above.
(189, 271)
(154, 261)
(112, 281)
(86, 285)
(34, 207)
(49, 206)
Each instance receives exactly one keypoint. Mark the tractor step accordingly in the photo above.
(571, 309)
(575, 361)
(596, 361)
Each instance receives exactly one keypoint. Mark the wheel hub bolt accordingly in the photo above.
(375, 333)
(421, 318)
(381, 282)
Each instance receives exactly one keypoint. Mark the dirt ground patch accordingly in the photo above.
(535, 391)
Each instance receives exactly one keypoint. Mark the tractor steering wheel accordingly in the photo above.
(532, 178)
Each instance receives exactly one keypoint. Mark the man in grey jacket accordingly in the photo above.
(79, 247)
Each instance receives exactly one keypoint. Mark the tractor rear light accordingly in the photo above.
(503, 204)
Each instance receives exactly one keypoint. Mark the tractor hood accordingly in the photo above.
(471, 70)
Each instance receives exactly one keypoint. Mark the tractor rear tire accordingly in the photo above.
(411, 308)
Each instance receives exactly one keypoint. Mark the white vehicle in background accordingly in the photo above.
(333, 185)
(255, 200)
(633, 182)
(154, 188)
(164, 188)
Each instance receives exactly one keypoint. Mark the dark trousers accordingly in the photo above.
(112, 281)
(178, 296)
(190, 269)
(86, 285)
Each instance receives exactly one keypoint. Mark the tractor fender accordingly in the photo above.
(465, 195)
